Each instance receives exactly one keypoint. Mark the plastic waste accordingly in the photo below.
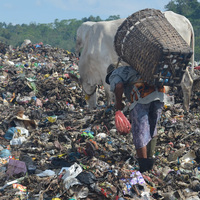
(12, 182)
(31, 169)
(63, 168)
(52, 118)
(10, 132)
(188, 160)
(47, 173)
(17, 141)
(197, 131)
(72, 172)
(20, 187)
(22, 131)
(23, 100)
(100, 136)
(71, 182)
(5, 102)
(5, 153)
(2, 78)
(16, 167)
(86, 178)
(99, 164)
(33, 87)
(59, 162)
(169, 100)
(165, 171)
(122, 124)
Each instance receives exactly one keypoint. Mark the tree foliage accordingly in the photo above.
(63, 33)
(191, 10)
(58, 33)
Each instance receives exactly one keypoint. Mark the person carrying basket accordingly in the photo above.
(145, 110)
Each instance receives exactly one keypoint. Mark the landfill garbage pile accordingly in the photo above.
(54, 147)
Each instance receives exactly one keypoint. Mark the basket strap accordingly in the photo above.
(132, 83)
(117, 65)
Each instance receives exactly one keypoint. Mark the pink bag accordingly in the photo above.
(16, 167)
(122, 124)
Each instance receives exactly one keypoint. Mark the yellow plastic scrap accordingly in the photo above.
(46, 75)
(12, 97)
(61, 155)
(52, 119)
(61, 79)
(176, 168)
(87, 97)
(68, 52)
(56, 198)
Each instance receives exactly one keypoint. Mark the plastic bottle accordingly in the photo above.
(52, 118)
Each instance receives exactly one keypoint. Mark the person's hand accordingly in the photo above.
(119, 106)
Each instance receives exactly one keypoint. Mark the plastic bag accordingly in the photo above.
(47, 173)
(122, 124)
(5, 153)
(86, 178)
(17, 141)
(10, 132)
(72, 172)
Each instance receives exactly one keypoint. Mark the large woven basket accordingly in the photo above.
(153, 47)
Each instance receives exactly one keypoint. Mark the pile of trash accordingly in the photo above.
(54, 147)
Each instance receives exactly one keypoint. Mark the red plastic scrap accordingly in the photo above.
(68, 128)
(147, 178)
(82, 150)
(170, 143)
(103, 192)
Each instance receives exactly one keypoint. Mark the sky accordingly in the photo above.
(46, 11)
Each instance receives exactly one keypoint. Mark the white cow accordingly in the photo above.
(98, 51)
(82, 34)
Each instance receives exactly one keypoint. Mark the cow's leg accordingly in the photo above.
(92, 101)
(186, 85)
(109, 95)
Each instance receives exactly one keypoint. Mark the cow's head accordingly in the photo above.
(89, 91)
(186, 85)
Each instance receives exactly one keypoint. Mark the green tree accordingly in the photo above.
(113, 17)
(191, 10)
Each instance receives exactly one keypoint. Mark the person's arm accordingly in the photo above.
(118, 94)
